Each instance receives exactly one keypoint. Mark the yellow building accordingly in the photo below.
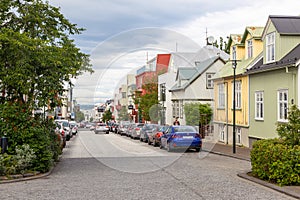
(244, 49)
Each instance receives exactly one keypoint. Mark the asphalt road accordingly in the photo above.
(115, 167)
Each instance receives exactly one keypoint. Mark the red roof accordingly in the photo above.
(162, 63)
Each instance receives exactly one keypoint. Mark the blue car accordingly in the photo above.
(181, 137)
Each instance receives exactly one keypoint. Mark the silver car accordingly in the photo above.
(101, 128)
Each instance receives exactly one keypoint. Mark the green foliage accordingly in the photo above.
(18, 163)
(107, 115)
(148, 99)
(196, 113)
(37, 58)
(275, 161)
(123, 114)
(290, 131)
(21, 128)
(79, 116)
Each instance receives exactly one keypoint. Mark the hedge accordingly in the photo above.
(275, 161)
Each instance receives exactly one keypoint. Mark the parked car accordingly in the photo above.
(136, 131)
(129, 129)
(101, 128)
(59, 129)
(122, 128)
(144, 131)
(115, 130)
(66, 128)
(73, 127)
(151, 133)
(158, 134)
(181, 137)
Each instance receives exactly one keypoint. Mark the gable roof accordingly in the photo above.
(254, 31)
(193, 74)
(290, 59)
(285, 25)
(235, 39)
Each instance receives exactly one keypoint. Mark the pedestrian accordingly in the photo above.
(176, 122)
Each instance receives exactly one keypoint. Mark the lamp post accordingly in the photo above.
(234, 64)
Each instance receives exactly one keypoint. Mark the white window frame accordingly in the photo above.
(282, 109)
(238, 135)
(238, 94)
(221, 95)
(259, 105)
(209, 81)
(250, 48)
(270, 47)
(222, 132)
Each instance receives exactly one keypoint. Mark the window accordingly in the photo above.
(176, 108)
(282, 105)
(221, 100)
(259, 105)
(181, 109)
(238, 94)
(163, 92)
(238, 135)
(250, 49)
(233, 52)
(209, 81)
(124, 95)
(222, 132)
(270, 47)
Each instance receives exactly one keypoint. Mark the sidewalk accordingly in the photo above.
(223, 149)
(243, 153)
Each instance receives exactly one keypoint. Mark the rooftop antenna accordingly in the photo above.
(210, 39)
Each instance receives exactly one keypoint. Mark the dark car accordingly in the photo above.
(144, 131)
(158, 134)
(151, 133)
(181, 137)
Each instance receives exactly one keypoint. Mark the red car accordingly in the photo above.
(157, 136)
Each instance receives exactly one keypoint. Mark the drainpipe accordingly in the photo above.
(226, 105)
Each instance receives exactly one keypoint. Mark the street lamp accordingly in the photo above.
(234, 64)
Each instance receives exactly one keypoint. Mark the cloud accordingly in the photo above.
(119, 32)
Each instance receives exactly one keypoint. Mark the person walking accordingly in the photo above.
(176, 122)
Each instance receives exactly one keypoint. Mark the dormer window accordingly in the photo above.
(270, 47)
(249, 49)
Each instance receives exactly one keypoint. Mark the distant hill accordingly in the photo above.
(86, 107)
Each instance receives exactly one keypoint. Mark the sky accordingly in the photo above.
(121, 35)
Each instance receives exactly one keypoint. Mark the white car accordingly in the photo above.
(66, 128)
(101, 127)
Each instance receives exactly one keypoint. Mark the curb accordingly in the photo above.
(227, 155)
(270, 185)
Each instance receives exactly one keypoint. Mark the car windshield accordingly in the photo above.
(184, 129)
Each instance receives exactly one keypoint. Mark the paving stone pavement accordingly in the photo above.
(244, 154)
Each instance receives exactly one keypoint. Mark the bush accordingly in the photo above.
(275, 161)
(18, 124)
(18, 163)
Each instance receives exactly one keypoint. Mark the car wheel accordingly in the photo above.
(198, 149)
(68, 137)
(107, 132)
(154, 143)
(149, 142)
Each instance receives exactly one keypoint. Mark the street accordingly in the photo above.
(110, 166)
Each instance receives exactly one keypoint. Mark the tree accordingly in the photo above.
(147, 100)
(79, 116)
(36, 55)
(221, 44)
(123, 114)
(290, 131)
(37, 58)
(107, 115)
(197, 113)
